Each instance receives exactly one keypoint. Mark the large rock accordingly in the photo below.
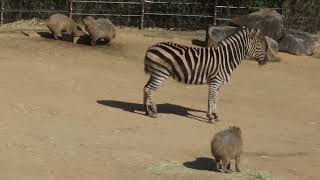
(267, 20)
(215, 34)
(298, 43)
(271, 49)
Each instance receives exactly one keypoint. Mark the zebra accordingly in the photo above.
(199, 65)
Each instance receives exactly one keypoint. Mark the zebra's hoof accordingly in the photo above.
(215, 116)
(211, 118)
(153, 115)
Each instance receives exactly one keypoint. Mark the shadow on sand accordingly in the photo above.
(198, 42)
(162, 108)
(84, 40)
(202, 163)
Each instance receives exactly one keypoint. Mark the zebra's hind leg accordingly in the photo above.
(149, 107)
(152, 85)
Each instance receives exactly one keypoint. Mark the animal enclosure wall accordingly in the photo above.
(178, 14)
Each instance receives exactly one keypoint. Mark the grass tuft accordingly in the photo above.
(316, 55)
(277, 59)
(256, 175)
(168, 167)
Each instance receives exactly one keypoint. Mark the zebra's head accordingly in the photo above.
(255, 49)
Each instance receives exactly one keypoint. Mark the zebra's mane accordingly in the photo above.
(239, 30)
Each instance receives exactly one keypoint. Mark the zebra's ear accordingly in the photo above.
(254, 33)
(258, 33)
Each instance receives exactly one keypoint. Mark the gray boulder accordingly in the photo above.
(267, 20)
(298, 43)
(215, 34)
(271, 48)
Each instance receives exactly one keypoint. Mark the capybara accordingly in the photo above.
(58, 23)
(226, 145)
(99, 29)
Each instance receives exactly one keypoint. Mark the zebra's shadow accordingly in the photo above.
(162, 108)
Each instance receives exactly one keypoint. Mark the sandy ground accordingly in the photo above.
(74, 112)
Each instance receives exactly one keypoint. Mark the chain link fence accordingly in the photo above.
(171, 14)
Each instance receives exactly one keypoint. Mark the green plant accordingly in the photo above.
(256, 175)
(275, 60)
(316, 55)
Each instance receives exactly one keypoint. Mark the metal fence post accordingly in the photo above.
(283, 6)
(228, 11)
(215, 13)
(142, 14)
(2, 12)
(70, 8)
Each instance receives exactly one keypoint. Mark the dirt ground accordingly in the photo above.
(74, 112)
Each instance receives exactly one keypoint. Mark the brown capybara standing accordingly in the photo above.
(226, 145)
(99, 29)
(58, 23)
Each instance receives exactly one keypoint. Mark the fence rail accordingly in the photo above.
(146, 11)
(120, 15)
(32, 11)
(106, 2)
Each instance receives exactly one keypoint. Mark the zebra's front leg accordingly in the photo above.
(215, 101)
(212, 103)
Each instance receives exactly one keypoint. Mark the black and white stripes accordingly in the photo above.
(192, 65)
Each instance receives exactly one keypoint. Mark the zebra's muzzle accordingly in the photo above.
(264, 61)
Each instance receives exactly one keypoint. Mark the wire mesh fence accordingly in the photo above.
(302, 16)
(177, 14)
(13, 10)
